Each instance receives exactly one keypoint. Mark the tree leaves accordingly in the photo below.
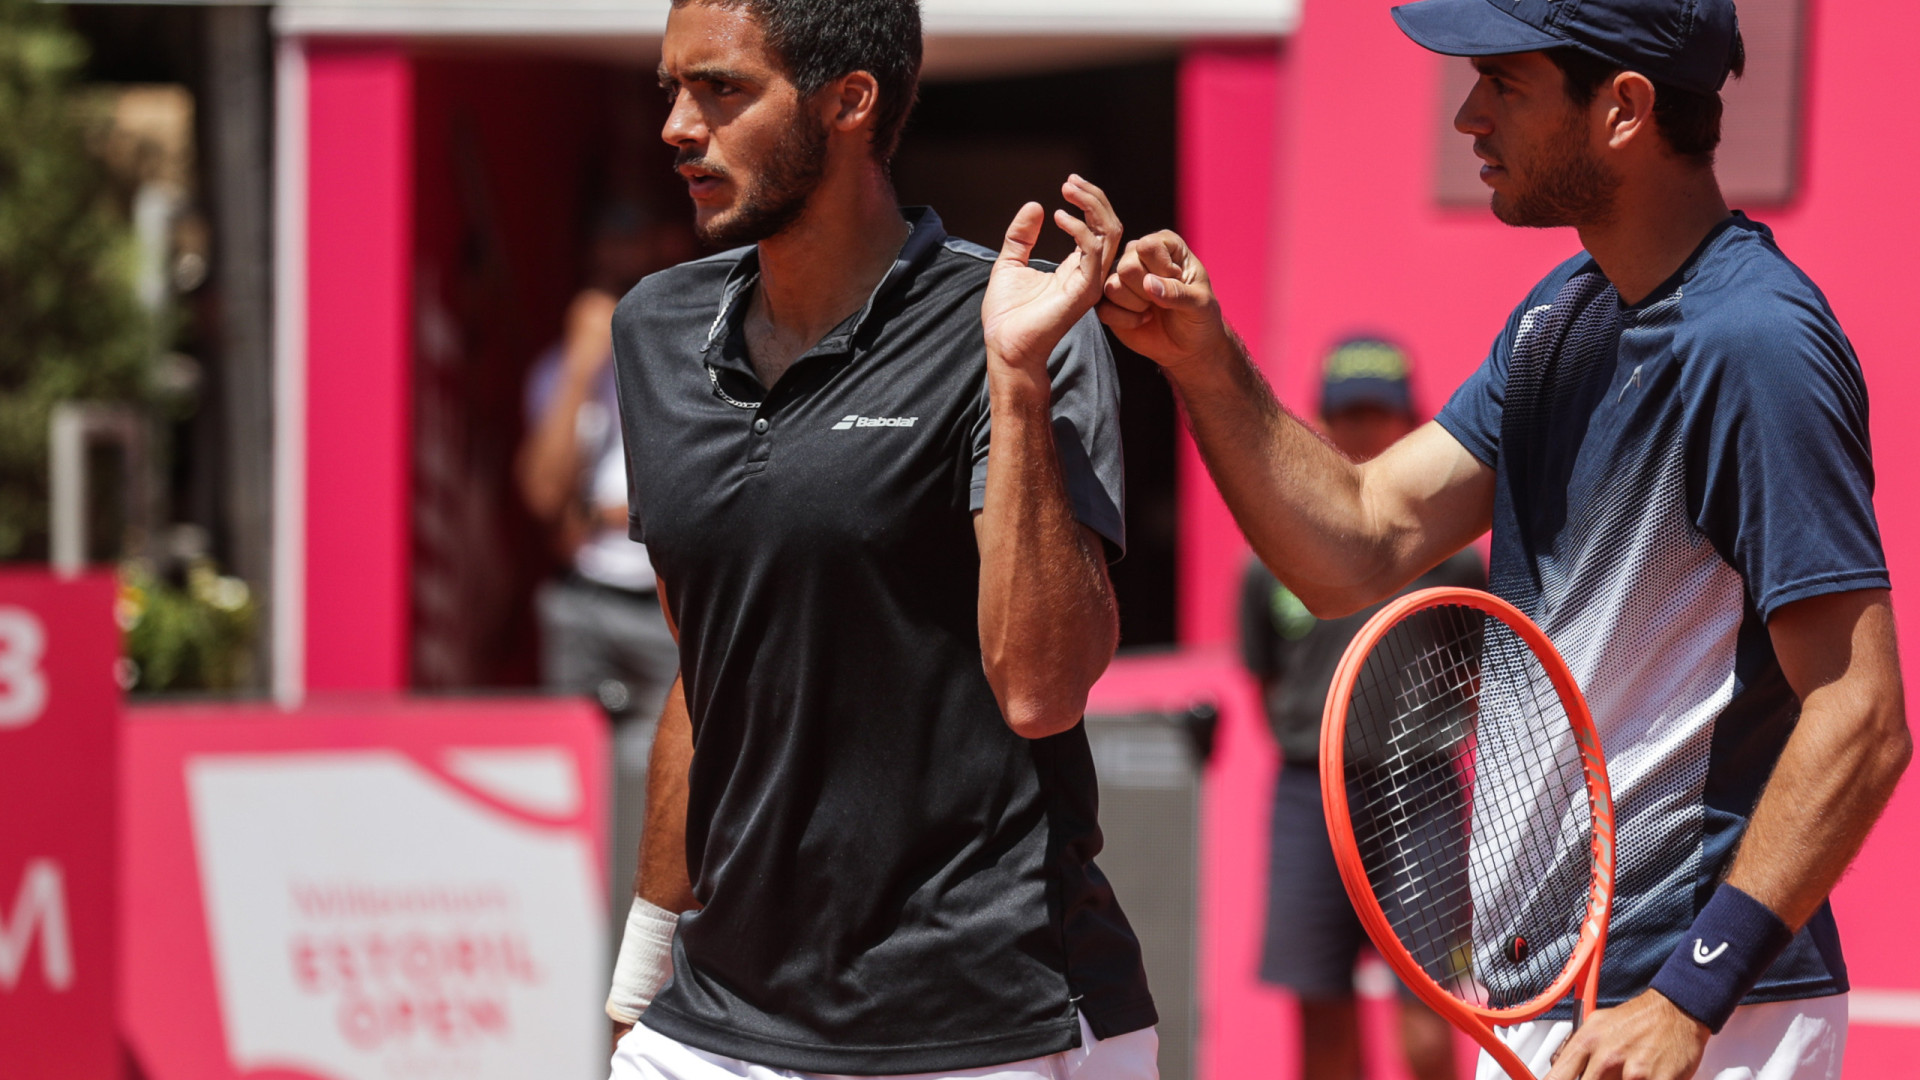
(70, 327)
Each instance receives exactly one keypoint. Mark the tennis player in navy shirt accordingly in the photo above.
(1669, 443)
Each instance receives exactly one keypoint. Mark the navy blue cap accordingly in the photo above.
(1365, 371)
(1682, 43)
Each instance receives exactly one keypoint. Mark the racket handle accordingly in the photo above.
(1590, 992)
(1589, 998)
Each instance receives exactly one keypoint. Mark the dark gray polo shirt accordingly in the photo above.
(892, 881)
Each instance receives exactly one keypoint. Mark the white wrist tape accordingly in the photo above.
(645, 963)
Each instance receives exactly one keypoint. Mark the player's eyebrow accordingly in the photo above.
(704, 73)
(1491, 67)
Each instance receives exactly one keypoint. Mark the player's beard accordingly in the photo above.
(785, 181)
(1565, 184)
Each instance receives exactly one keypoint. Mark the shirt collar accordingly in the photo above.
(925, 235)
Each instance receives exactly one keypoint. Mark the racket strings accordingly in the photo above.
(1468, 804)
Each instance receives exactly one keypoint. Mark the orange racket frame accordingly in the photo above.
(1583, 967)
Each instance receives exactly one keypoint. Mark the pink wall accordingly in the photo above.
(1853, 230)
(1366, 247)
(359, 356)
(1230, 101)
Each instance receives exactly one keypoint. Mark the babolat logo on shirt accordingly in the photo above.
(874, 421)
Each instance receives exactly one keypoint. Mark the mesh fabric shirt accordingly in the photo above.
(1671, 474)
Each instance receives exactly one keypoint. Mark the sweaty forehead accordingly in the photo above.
(703, 38)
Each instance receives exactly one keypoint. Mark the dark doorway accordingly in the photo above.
(976, 150)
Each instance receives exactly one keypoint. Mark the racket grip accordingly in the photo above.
(1590, 992)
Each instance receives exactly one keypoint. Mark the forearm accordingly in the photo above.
(1832, 782)
(662, 877)
(662, 887)
(1048, 623)
(549, 466)
(1834, 776)
(1303, 506)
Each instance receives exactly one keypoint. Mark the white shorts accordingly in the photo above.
(1780, 1040)
(645, 1054)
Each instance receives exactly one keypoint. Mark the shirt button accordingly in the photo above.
(760, 426)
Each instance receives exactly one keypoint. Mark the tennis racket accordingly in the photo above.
(1468, 806)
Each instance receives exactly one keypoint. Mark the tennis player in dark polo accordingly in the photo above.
(878, 471)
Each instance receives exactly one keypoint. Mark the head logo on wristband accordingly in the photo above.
(1708, 983)
(1703, 955)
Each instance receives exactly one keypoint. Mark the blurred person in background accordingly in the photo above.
(1313, 937)
(601, 631)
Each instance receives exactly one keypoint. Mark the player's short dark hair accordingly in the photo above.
(1688, 120)
(818, 41)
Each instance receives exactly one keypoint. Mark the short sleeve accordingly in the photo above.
(1086, 432)
(627, 377)
(1472, 414)
(1780, 467)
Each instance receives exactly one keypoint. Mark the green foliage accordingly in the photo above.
(70, 327)
(191, 636)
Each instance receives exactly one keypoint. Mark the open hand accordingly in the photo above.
(1027, 311)
(1645, 1038)
(1160, 302)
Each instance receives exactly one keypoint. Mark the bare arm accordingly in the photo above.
(1845, 756)
(662, 877)
(548, 468)
(1048, 624)
(1340, 535)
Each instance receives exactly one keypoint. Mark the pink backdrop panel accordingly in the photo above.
(1230, 100)
(170, 1001)
(1852, 230)
(1367, 247)
(359, 352)
(59, 721)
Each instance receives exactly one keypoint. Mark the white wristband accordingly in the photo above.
(645, 963)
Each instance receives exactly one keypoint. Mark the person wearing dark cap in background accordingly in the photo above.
(1313, 937)
(1668, 441)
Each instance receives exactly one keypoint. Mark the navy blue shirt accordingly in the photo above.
(1670, 474)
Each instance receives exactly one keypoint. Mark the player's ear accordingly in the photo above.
(1628, 105)
(851, 101)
